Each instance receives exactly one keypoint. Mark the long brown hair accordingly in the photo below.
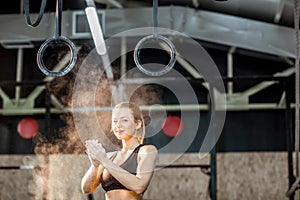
(137, 115)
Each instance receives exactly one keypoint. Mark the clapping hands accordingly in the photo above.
(95, 152)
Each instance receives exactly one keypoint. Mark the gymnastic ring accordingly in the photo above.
(164, 70)
(40, 54)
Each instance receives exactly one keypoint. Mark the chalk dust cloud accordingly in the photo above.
(69, 141)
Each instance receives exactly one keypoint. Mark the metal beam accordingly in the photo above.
(19, 73)
(202, 25)
(123, 57)
(230, 69)
(193, 107)
(266, 84)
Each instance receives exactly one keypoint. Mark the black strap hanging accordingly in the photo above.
(27, 13)
(58, 15)
(155, 13)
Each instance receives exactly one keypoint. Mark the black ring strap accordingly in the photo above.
(27, 13)
(58, 16)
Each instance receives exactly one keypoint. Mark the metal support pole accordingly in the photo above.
(213, 175)
(19, 73)
(48, 113)
(213, 166)
(289, 135)
(230, 69)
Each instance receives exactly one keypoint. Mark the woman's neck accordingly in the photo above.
(128, 145)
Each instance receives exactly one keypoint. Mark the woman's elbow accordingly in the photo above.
(86, 190)
(140, 190)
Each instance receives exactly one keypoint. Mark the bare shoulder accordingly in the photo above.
(147, 156)
(149, 148)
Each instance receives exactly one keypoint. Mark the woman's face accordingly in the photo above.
(123, 124)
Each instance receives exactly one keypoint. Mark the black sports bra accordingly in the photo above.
(110, 183)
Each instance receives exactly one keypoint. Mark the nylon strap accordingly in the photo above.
(58, 16)
(155, 11)
(27, 13)
(297, 81)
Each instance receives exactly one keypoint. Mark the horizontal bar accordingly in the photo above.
(21, 167)
(143, 80)
(22, 83)
(183, 166)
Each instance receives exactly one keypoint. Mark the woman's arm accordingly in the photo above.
(146, 164)
(91, 179)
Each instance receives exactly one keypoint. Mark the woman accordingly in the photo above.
(123, 174)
